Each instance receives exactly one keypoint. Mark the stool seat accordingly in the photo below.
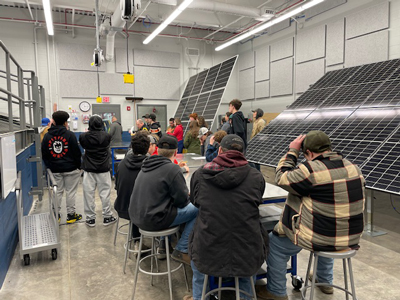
(337, 254)
(164, 232)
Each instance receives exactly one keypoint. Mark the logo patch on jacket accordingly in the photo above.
(58, 147)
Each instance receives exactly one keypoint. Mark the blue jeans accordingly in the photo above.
(198, 281)
(280, 251)
(186, 215)
(180, 146)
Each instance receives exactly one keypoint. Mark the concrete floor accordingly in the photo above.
(89, 266)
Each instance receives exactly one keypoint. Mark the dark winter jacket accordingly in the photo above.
(160, 189)
(96, 143)
(227, 238)
(239, 126)
(125, 178)
(155, 128)
(60, 150)
(116, 133)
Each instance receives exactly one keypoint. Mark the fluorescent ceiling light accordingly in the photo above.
(269, 24)
(48, 16)
(164, 24)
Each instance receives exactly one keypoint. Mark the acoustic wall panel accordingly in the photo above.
(78, 84)
(262, 64)
(282, 77)
(335, 43)
(323, 7)
(246, 60)
(113, 84)
(246, 84)
(367, 49)
(334, 68)
(310, 44)
(157, 83)
(282, 49)
(262, 89)
(120, 60)
(308, 73)
(369, 20)
(77, 57)
(156, 59)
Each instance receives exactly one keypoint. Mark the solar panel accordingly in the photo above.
(189, 86)
(359, 108)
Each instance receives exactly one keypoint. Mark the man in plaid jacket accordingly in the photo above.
(323, 211)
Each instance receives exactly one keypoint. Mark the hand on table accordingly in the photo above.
(296, 143)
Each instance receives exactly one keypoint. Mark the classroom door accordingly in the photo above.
(159, 110)
(107, 111)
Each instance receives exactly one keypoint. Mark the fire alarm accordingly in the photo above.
(128, 108)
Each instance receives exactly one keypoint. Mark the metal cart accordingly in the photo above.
(38, 232)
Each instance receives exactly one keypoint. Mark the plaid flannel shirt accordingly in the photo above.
(324, 208)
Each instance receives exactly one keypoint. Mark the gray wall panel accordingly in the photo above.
(120, 60)
(262, 64)
(282, 77)
(157, 83)
(77, 57)
(308, 73)
(367, 49)
(282, 49)
(335, 43)
(334, 68)
(310, 44)
(246, 84)
(78, 84)
(156, 59)
(262, 89)
(113, 84)
(246, 60)
(323, 7)
(372, 19)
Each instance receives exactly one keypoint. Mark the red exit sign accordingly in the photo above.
(106, 99)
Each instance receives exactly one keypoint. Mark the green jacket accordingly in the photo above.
(192, 144)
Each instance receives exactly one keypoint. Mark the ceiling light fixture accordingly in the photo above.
(48, 17)
(164, 24)
(269, 24)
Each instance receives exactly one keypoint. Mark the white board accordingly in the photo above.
(8, 164)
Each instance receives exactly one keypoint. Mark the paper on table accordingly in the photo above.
(198, 157)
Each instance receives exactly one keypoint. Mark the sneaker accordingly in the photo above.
(325, 289)
(91, 223)
(161, 250)
(181, 257)
(109, 221)
(72, 218)
(263, 294)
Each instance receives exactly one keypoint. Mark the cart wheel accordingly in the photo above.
(27, 260)
(54, 254)
(297, 282)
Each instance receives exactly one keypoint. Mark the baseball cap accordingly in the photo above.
(230, 140)
(146, 116)
(153, 117)
(316, 141)
(45, 121)
(259, 111)
(202, 131)
(168, 141)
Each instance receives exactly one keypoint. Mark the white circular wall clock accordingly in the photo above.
(84, 106)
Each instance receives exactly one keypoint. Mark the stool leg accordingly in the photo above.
(116, 232)
(219, 286)
(253, 287)
(203, 294)
(314, 277)
(151, 261)
(346, 286)
(128, 244)
(353, 288)
(308, 273)
(154, 251)
(237, 291)
(137, 266)
(168, 267)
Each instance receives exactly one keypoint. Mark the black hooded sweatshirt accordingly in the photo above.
(239, 126)
(60, 150)
(125, 178)
(96, 143)
(155, 128)
(160, 189)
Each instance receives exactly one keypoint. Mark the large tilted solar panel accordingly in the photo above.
(359, 108)
(204, 92)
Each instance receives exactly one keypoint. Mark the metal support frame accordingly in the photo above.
(369, 208)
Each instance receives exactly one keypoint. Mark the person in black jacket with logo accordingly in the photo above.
(61, 154)
(96, 159)
(155, 127)
(238, 121)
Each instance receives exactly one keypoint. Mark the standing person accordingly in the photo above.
(202, 122)
(146, 119)
(323, 211)
(227, 126)
(178, 133)
(155, 127)
(96, 143)
(204, 137)
(258, 123)
(193, 117)
(115, 132)
(171, 126)
(239, 123)
(45, 128)
(227, 192)
(140, 126)
(61, 154)
(192, 142)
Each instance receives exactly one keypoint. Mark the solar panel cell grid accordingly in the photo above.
(199, 83)
(335, 78)
(355, 151)
(201, 103)
(387, 94)
(285, 122)
(376, 72)
(181, 108)
(212, 76)
(189, 86)
(312, 99)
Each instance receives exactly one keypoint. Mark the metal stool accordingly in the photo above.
(153, 234)
(344, 255)
(118, 230)
(204, 295)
